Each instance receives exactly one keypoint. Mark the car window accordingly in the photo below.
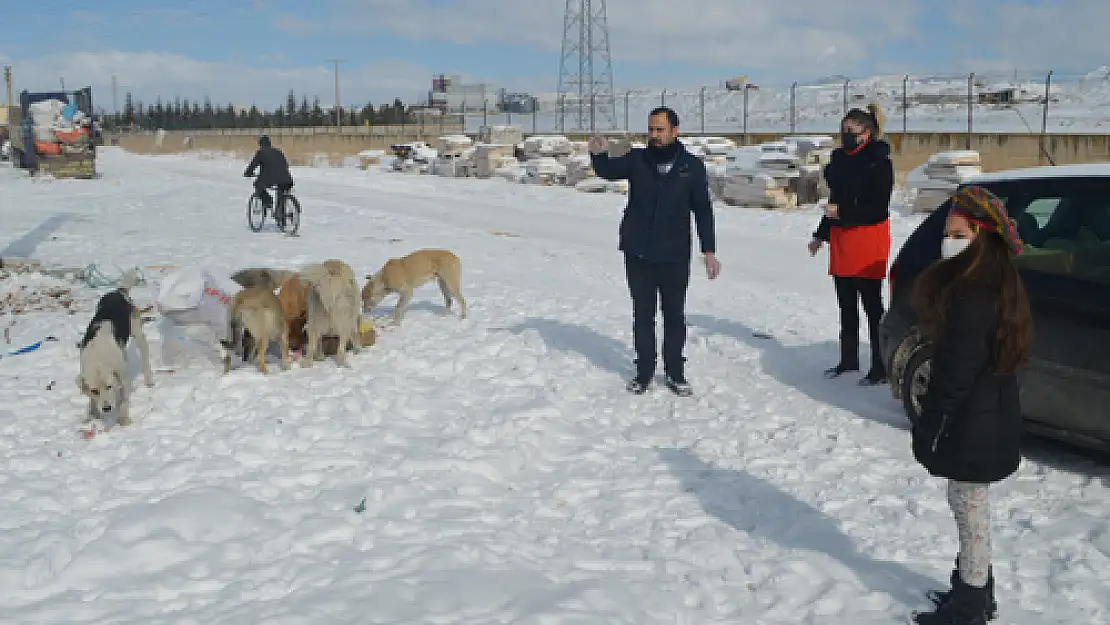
(1041, 209)
(1064, 223)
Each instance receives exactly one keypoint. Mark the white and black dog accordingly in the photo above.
(103, 354)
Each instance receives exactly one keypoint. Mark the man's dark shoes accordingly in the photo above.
(679, 386)
(638, 385)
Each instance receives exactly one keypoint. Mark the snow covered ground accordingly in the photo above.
(1078, 104)
(507, 476)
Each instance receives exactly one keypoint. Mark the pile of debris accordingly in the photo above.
(60, 128)
(35, 292)
(938, 178)
(777, 174)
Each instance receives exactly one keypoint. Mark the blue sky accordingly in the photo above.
(248, 51)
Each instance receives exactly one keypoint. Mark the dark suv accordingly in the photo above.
(1063, 216)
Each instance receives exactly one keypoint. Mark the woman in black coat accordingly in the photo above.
(856, 226)
(974, 308)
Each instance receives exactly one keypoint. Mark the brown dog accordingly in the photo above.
(404, 275)
(294, 302)
(258, 312)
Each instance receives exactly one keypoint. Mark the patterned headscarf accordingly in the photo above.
(984, 209)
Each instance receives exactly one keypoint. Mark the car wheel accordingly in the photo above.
(915, 381)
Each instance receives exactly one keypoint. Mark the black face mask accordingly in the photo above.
(849, 140)
(662, 153)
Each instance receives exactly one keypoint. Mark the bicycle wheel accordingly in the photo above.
(292, 215)
(256, 213)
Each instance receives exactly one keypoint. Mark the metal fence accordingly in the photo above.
(1009, 102)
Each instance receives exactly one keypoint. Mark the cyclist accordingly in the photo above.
(274, 173)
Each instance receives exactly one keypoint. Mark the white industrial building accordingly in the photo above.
(452, 96)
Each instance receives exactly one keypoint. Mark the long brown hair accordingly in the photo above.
(985, 265)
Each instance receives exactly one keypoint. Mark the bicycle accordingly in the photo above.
(285, 202)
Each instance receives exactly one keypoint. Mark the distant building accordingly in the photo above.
(521, 103)
(1005, 95)
(450, 95)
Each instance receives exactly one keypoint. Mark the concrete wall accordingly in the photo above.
(301, 145)
(998, 150)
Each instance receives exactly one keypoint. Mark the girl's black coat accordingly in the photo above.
(970, 427)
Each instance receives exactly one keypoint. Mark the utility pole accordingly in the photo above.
(8, 82)
(586, 64)
(338, 111)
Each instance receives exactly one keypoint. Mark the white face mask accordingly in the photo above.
(950, 247)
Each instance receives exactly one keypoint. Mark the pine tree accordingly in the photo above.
(185, 114)
(175, 113)
(209, 113)
(290, 108)
(399, 111)
(128, 109)
(317, 118)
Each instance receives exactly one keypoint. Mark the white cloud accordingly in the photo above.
(152, 74)
(1057, 34)
(773, 40)
(801, 36)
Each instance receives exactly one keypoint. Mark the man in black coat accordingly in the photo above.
(274, 171)
(665, 185)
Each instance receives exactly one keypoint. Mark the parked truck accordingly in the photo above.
(54, 133)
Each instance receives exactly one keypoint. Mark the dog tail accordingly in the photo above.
(330, 290)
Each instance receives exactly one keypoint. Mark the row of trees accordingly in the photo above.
(183, 114)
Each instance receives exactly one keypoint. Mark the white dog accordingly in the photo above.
(334, 309)
(103, 357)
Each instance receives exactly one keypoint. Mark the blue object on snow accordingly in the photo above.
(30, 348)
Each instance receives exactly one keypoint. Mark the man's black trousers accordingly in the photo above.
(654, 286)
(260, 187)
(849, 292)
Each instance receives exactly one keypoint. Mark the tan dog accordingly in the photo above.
(261, 276)
(294, 303)
(257, 311)
(333, 310)
(404, 275)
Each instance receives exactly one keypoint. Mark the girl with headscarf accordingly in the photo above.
(975, 312)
